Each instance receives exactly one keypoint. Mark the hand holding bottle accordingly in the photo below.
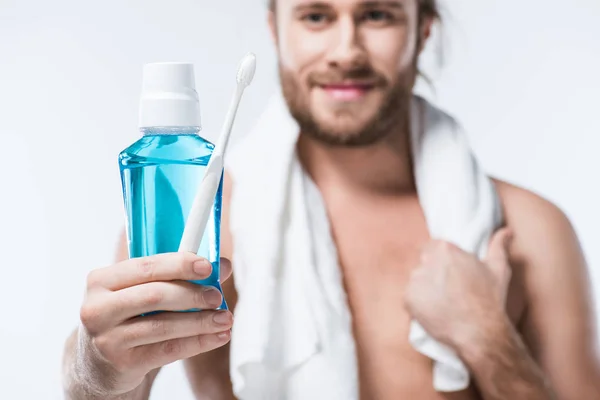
(117, 346)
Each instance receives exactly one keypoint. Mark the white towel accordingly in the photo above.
(292, 337)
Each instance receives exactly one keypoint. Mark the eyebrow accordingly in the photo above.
(382, 3)
(320, 5)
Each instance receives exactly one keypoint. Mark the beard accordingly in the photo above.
(350, 124)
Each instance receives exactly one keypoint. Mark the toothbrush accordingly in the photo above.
(205, 197)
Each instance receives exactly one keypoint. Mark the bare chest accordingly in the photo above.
(378, 248)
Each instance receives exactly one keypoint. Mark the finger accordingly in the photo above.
(161, 296)
(226, 269)
(499, 246)
(167, 326)
(160, 267)
(159, 354)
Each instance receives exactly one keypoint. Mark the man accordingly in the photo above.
(538, 344)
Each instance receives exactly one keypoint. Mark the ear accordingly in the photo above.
(425, 31)
(272, 22)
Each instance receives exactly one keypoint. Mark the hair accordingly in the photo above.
(427, 8)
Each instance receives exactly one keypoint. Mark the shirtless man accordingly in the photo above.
(521, 320)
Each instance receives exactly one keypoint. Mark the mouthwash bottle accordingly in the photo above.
(161, 172)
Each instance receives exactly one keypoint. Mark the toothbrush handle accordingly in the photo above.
(202, 206)
(198, 217)
(229, 119)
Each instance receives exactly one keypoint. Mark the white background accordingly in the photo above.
(522, 76)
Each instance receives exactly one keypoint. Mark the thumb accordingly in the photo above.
(499, 244)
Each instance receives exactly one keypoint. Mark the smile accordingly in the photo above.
(347, 91)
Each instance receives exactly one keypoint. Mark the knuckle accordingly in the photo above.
(141, 329)
(202, 341)
(146, 267)
(159, 328)
(133, 332)
(89, 314)
(184, 263)
(198, 298)
(171, 348)
(120, 359)
(203, 320)
(153, 296)
(93, 279)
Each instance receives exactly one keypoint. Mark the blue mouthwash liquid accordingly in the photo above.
(160, 174)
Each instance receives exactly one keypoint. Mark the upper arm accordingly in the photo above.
(558, 325)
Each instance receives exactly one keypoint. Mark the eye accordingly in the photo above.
(315, 19)
(378, 17)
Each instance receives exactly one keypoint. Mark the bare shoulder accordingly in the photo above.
(522, 206)
(541, 229)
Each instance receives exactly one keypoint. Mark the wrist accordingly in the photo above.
(82, 390)
(87, 378)
(475, 344)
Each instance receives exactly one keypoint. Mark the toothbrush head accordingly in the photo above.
(246, 70)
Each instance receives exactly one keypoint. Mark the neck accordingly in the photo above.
(384, 167)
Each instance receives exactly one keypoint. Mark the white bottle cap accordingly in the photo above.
(169, 96)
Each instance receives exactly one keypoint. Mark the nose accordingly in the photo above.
(347, 51)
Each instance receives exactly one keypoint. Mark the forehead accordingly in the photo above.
(339, 3)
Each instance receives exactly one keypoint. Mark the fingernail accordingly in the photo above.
(202, 267)
(212, 297)
(222, 318)
(223, 335)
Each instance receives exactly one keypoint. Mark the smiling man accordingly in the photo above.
(520, 320)
(340, 90)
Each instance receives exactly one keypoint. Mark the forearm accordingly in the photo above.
(503, 367)
(81, 391)
(77, 387)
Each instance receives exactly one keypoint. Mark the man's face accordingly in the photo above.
(347, 67)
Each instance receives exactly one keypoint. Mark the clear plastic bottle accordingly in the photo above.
(161, 172)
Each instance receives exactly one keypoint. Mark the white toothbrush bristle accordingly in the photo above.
(246, 69)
